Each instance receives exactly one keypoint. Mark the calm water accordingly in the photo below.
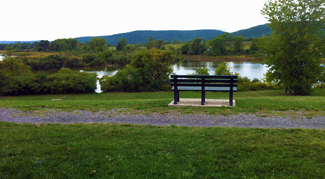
(251, 70)
(248, 69)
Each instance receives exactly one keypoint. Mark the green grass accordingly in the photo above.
(142, 151)
(135, 151)
(148, 102)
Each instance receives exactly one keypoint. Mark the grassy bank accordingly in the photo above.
(133, 151)
(269, 101)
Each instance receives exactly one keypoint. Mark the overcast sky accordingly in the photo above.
(53, 19)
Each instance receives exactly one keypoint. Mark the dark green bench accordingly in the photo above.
(203, 83)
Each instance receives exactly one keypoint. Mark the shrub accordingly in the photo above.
(68, 81)
(149, 70)
(201, 71)
(222, 69)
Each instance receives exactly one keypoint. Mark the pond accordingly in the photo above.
(248, 69)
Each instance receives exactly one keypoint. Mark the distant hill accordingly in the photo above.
(167, 35)
(180, 35)
(141, 36)
(256, 31)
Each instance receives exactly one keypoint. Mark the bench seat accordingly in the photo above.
(199, 88)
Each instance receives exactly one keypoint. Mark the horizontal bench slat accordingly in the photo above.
(205, 81)
(199, 84)
(199, 88)
(208, 76)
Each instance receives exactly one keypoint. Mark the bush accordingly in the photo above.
(222, 69)
(68, 81)
(65, 81)
(201, 71)
(149, 70)
(54, 62)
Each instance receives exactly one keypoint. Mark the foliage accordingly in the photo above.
(222, 69)
(149, 70)
(121, 44)
(10, 50)
(151, 43)
(293, 52)
(54, 62)
(196, 47)
(201, 71)
(98, 44)
(63, 82)
(218, 45)
(42, 45)
(68, 81)
(238, 45)
(9, 67)
(63, 45)
(254, 47)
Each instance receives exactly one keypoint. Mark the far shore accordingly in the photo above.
(235, 58)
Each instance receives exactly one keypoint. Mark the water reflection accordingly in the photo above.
(248, 69)
(99, 75)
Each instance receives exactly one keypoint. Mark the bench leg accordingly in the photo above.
(177, 96)
(231, 98)
(202, 97)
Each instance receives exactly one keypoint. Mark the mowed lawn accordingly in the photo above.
(248, 102)
(142, 151)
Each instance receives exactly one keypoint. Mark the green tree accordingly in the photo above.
(254, 47)
(149, 70)
(10, 50)
(9, 67)
(238, 45)
(196, 47)
(150, 43)
(218, 45)
(42, 45)
(293, 51)
(121, 44)
(98, 44)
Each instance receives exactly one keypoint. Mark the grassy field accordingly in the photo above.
(269, 101)
(144, 151)
(134, 151)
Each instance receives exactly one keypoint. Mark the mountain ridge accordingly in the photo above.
(141, 36)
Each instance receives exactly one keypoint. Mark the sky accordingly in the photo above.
(23, 20)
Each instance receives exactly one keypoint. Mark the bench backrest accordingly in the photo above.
(204, 80)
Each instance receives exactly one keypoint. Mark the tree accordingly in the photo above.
(42, 45)
(121, 44)
(238, 45)
(10, 50)
(293, 51)
(98, 44)
(150, 43)
(218, 45)
(149, 70)
(12, 67)
(254, 47)
(196, 47)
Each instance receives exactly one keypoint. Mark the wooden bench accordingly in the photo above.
(203, 83)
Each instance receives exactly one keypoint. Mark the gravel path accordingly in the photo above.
(240, 120)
